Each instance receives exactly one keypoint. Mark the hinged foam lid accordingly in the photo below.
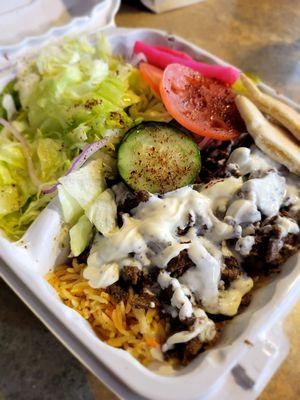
(27, 23)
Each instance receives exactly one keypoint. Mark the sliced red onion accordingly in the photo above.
(50, 189)
(137, 58)
(26, 150)
(86, 153)
(204, 142)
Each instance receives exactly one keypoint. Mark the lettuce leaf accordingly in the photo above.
(9, 90)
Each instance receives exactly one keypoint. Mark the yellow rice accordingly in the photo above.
(119, 324)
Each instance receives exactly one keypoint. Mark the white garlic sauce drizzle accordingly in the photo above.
(182, 298)
(222, 210)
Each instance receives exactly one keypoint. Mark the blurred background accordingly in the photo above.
(258, 36)
(261, 36)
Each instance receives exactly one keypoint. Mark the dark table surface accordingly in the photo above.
(261, 36)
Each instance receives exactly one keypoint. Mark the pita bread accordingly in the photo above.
(272, 139)
(281, 112)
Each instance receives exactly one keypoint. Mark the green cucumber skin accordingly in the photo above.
(158, 157)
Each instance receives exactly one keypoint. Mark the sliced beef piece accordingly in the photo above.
(232, 170)
(150, 277)
(269, 250)
(120, 218)
(246, 300)
(215, 156)
(296, 215)
(191, 350)
(183, 231)
(132, 275)
(117, 292)
(277, 254)
(133, 200)
(186, 352)
(145, 301)
(290, 212)
(82, 258)
(178, 265)
(219, 318)
(194, 346)
(166, 294)
(231, 271)
(122, 192)
(142, 196)
(188, 321)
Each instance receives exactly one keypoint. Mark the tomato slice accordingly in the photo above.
(152, 75)
(203, 105)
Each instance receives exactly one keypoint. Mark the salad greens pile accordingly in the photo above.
(73, 94)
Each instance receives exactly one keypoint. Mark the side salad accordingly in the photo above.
(72, 95)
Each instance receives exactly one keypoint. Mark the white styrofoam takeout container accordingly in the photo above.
(159, 6)
(253, 344)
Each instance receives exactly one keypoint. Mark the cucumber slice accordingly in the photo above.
(158, 157)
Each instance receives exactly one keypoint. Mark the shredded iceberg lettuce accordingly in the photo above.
(71, 95)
